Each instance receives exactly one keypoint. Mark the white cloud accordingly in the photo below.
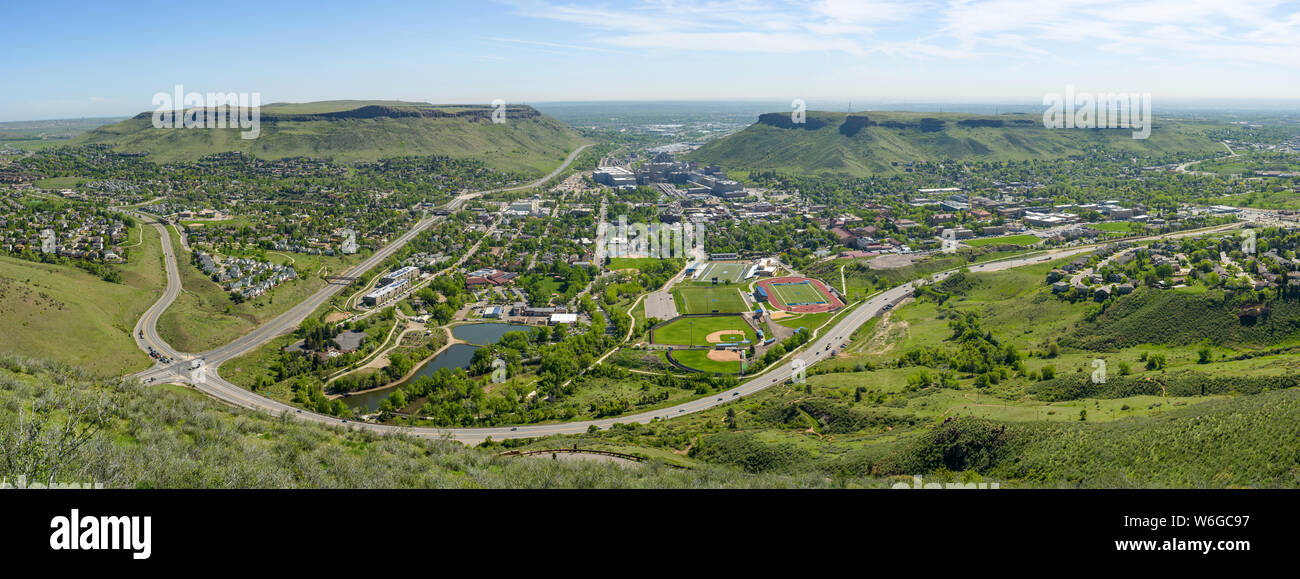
(1231, 33)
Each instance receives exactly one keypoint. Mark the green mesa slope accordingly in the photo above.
(881, 142)
(528, 142)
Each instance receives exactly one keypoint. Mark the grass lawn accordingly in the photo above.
(695, 331)
(62, 313)
(810, 321)
(1022, 240)
(60, 182)
(1121, 227)
(637, 263)
(699, 360)
(692, 300)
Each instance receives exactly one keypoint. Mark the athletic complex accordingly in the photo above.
(723, 313)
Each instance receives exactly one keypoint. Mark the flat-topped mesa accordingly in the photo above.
(472, 113)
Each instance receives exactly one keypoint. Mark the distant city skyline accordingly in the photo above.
(73, 59)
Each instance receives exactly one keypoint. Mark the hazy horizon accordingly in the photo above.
(110, 61)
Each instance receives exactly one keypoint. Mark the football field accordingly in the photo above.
(730, 272)
(794, 294)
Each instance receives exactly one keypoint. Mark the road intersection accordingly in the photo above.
(206, 377)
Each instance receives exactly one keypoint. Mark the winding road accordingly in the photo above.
(207, 379)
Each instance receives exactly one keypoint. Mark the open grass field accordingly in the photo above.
(1021, 240)
(722, 271)
(60, 312)
(719, 300)
(637, 263)
(697, 331)
(1119, 227)
(810, 321)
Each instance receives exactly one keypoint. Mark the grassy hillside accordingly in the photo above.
(881, 142)
(528, 142)
(870, 412)
(64, 313)
(170, 437)
(1171, 317)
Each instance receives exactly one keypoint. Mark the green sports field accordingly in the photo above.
(722, 271)
(1022, 240)
(709, 300)
(699, 360)
(798, 293)
(695, 331)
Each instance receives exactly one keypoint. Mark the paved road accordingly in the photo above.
(823, 346)
(282, 324)
(146, 329)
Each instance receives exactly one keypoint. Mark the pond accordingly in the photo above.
(456, 356)
(484, 334)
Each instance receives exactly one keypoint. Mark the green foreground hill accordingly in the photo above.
(882, 142)
(527, 142)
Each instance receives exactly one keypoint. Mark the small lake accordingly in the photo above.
(456, 356)
(484, 334)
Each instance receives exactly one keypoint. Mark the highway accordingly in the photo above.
(822, 347)
(208, 380)
(146, 330)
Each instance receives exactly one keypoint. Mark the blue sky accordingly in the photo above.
(70, 59)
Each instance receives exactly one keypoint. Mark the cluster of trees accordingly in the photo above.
(978, 352)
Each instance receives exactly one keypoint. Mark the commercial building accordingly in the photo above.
(404, 274)
(614, 177)
(383, 294)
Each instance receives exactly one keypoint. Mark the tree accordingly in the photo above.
(1155, 362)
(1204, 355)
(51, 431)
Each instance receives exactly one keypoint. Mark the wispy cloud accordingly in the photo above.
(1237, 32)
(553, 45)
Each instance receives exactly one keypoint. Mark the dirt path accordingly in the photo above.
(887, 334)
